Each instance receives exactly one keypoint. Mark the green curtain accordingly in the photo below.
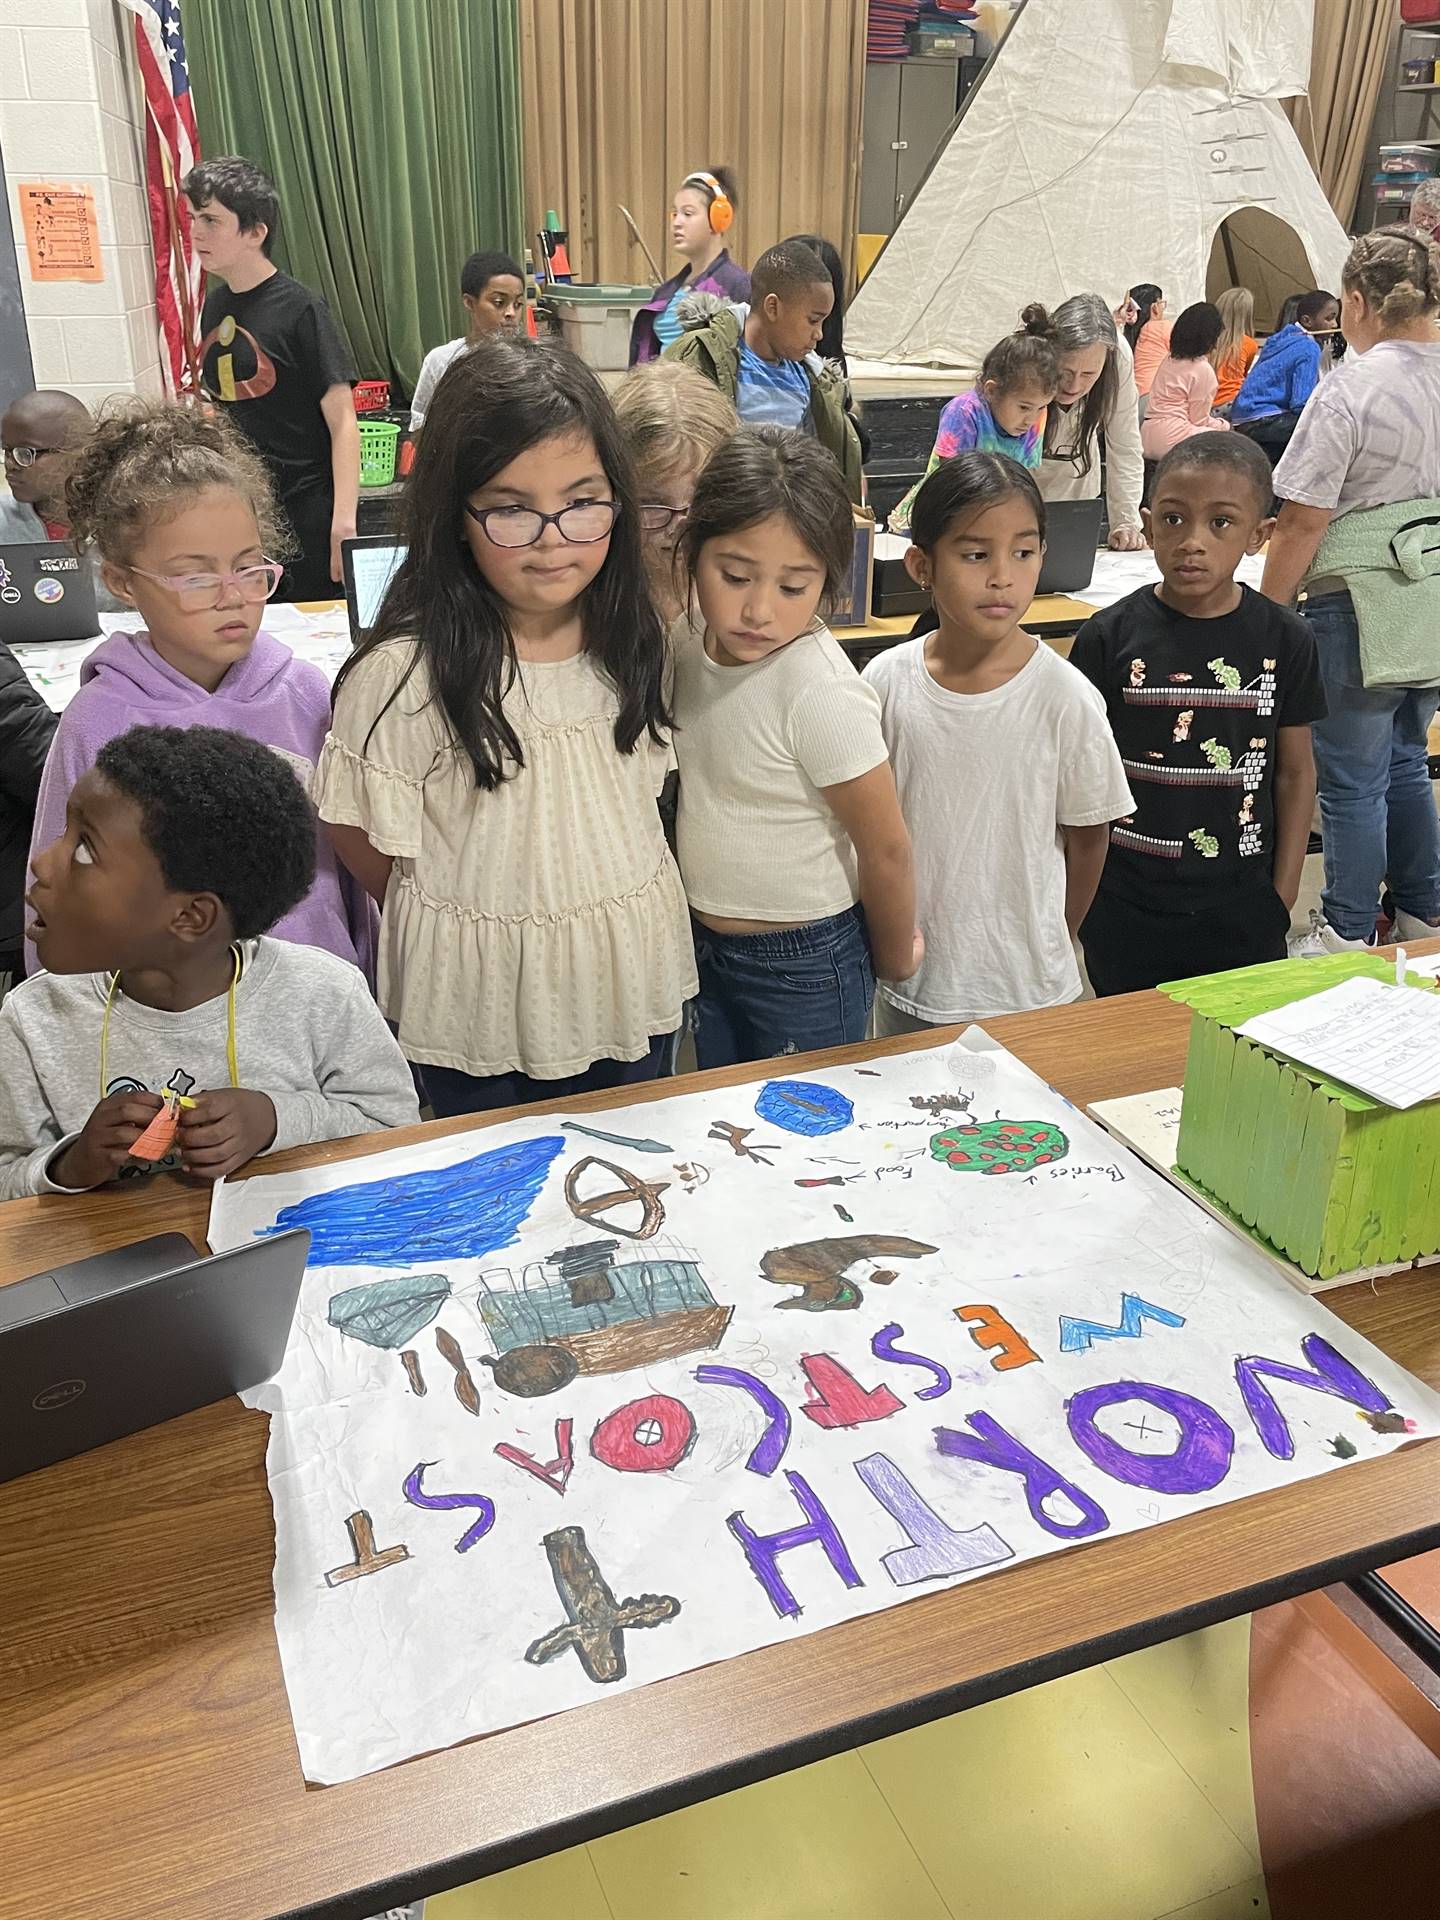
(391, 129)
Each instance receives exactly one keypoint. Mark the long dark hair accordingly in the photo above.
(1083, 321)
(970, 480)
(1144, 296)
(763, 471)
(492, 405)
(832, 334)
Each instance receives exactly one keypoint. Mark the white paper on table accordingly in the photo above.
(1082, 1270)
(1381, 1039)
(1427, 965)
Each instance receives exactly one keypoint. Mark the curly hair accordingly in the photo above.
(765, 471)
(221, 814)
(1230, 453)
(146, 460)
(1196, 332)
(1397, 269)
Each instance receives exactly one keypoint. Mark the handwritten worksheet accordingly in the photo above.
(1382, 1040)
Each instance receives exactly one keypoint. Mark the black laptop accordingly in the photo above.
(368, 564)
(121, 1341)
(47, 592)
(1072, 537)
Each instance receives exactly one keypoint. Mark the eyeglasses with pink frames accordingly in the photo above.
(199, 592)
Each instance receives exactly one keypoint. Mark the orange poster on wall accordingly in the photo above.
(61, 235)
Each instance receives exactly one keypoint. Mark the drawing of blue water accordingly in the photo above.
(458, 1213)
(804, 1107)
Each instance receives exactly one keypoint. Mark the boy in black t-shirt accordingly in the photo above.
(1211, 690)
(269, 353)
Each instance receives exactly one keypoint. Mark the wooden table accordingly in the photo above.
(147, 1765)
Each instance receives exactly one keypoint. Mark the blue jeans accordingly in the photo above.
(787, 992)
(1377, 810)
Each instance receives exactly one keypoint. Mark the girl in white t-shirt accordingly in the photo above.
(792, 849)
(1008, 773)
(499, 740)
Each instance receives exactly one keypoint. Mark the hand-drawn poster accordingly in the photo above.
(62, 238)
(573, 1404)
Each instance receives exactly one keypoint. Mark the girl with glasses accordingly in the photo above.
(180, 511)
(673, 421)
(500, 739)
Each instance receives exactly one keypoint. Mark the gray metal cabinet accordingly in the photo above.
(909, 107)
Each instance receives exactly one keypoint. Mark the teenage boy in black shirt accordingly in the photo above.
(1211, 690)
(271, 356)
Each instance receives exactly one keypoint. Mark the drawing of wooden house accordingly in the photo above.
(610, 1315)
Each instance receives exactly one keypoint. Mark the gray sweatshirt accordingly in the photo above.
(306, 1032)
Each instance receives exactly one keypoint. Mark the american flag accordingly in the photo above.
(172, 147)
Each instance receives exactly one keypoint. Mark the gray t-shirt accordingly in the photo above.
(1370, 432)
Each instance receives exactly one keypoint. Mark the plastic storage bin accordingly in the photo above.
(595, 322)
(371, 396)
(379, 440)
(1417, 161)
(1417, 73)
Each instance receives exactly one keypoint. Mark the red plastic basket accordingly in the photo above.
(372, 396)
(1420, 13)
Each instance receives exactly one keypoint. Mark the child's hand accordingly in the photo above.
(104, 1142)
(225, 1128)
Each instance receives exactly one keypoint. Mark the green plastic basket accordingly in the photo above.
(379, 440)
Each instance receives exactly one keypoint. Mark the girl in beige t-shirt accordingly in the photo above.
(794, 855)
(499, 741)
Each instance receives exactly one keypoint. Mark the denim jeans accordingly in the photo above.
(1377, 808)
(785, 992)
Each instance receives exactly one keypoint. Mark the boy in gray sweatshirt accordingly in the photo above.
(160, 995)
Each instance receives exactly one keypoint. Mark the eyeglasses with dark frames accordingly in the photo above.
(581, 524)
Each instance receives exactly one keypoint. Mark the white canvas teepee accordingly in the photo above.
(1109, 142)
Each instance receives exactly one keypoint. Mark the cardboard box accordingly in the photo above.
(853, 609)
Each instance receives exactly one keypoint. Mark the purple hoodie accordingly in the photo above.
(269, 696)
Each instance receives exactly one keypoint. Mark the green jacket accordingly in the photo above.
(714, 351)
(1389, 559)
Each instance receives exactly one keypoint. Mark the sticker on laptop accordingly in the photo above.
(10, 595)
(65, 563)
(49, 591)
(4, 575)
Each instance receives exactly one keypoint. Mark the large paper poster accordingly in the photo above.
(579, 1403)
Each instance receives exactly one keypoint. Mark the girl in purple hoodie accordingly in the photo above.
(182, 513)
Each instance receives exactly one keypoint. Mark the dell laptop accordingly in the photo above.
(111, 1345)
(47, 592)
(368, 563)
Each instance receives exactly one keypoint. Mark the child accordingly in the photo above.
(764, 363)
(1183, 390)
(1284, 374)
(270, 354)
(1005, 411)
(498, 744)
(1148, 333)
(1235, 350)
(701, 216)
(1211, 690)
(26, 727)
(794, 855)
(672, 422)
(181, 511)
(492, 288)
(181, 846)
(1007, 773)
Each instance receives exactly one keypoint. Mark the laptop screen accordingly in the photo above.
(371, 564)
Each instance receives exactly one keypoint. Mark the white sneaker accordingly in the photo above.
(1407, 927)
(1320, 938)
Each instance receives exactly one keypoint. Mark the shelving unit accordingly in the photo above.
(1427, 133)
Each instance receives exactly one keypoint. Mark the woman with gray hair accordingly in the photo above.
(1096, 396)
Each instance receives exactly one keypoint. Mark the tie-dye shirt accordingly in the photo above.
(968, 424)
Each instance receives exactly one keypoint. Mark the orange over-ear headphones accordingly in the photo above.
(722, 214)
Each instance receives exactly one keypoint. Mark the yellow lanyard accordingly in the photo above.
(230, 1055)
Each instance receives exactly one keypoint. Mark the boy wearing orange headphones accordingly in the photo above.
(701, 215)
